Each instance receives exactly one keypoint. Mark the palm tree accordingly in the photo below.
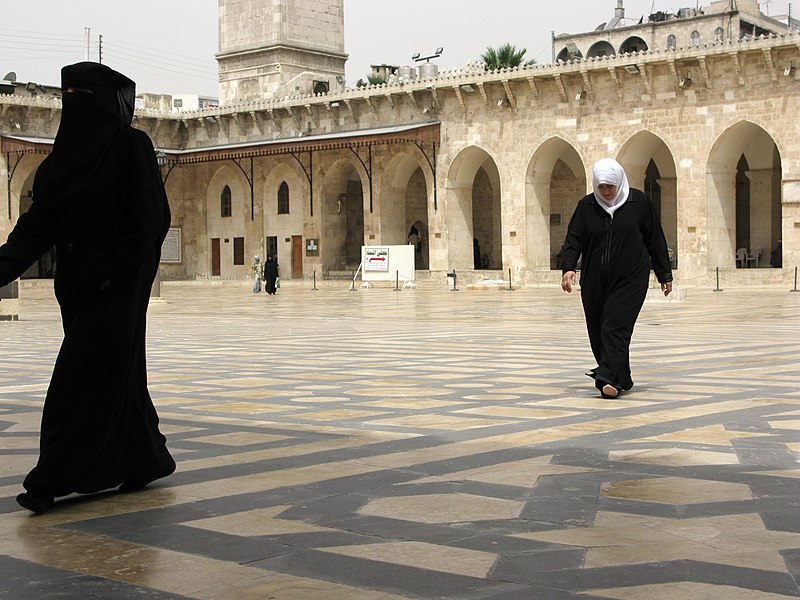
(504, 57)
(371, 80)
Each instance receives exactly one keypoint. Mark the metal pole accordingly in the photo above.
(455, 289)
(353, 282)
(314, 289)
(795, 281)
(397, 281)
(510, 289)
(717, 288)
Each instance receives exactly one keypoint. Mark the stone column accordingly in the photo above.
(155, 290)
(537, 217)
(459, 227)
(9, 302)
(790, 240)
(721, 218)
(669, 211)
(761, 213)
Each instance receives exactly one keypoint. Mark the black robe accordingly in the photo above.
(99, 426)
(270, 275)
(616, 256)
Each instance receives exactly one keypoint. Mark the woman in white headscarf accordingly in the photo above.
(616, 234)
(256, 274)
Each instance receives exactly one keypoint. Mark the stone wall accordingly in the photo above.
(534, 131)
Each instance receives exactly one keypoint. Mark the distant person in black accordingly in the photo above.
(99, 199)
(270, 275)
(776, 256)
(616, 233)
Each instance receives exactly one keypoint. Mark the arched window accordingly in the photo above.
(633, 44)
(719, 34)
(283, 199)
(225, 202)
(601, 48)
(672, 42)
(695, 38)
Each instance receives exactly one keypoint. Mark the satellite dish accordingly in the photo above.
(11, 76)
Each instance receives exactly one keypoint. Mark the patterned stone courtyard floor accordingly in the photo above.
(378, 444)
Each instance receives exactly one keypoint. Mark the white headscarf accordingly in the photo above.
(609, 171)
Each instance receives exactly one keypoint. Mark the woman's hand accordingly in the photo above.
(568, 281)
(666, 288)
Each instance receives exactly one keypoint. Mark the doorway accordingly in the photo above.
(272, 247)
(216, 271)
(297, 257)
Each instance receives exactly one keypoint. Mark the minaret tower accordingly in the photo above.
(278, 48)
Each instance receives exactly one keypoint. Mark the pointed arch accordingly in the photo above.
(474, 212)
(745, 153)
(404, 192)
(283, 200)
(555, 180)
(344, 188)
(650, 166)
(226, 234)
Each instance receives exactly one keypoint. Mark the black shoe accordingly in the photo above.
(134, 485)
(37, 504)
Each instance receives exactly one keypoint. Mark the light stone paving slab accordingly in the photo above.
(324, 453)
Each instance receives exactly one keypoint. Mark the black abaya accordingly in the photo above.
(99, 426)
(270, 275)
(616, 256)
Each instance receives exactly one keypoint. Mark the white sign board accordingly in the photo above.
(376, 258)
(387, 263)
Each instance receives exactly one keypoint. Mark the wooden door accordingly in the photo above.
(215, 258)
(297, 257)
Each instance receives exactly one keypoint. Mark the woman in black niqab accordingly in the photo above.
(99, 199)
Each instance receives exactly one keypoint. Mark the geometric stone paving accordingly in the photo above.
(427, 444)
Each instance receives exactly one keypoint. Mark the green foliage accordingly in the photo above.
(505, 57)
(371, 80)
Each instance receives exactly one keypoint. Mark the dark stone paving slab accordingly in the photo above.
(425, 444)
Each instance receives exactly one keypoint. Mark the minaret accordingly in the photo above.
(278, 48)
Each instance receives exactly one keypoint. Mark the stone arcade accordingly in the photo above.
(501, 157)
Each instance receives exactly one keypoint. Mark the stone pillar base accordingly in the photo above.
(9, 302)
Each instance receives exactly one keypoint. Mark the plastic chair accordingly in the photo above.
(752, 257)
(741, 258)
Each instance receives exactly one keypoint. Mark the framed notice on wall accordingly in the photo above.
(171, 248)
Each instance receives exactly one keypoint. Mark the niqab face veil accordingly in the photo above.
(91, 118)
(609, 171)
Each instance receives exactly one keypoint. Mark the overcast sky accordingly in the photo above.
(168, 46)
